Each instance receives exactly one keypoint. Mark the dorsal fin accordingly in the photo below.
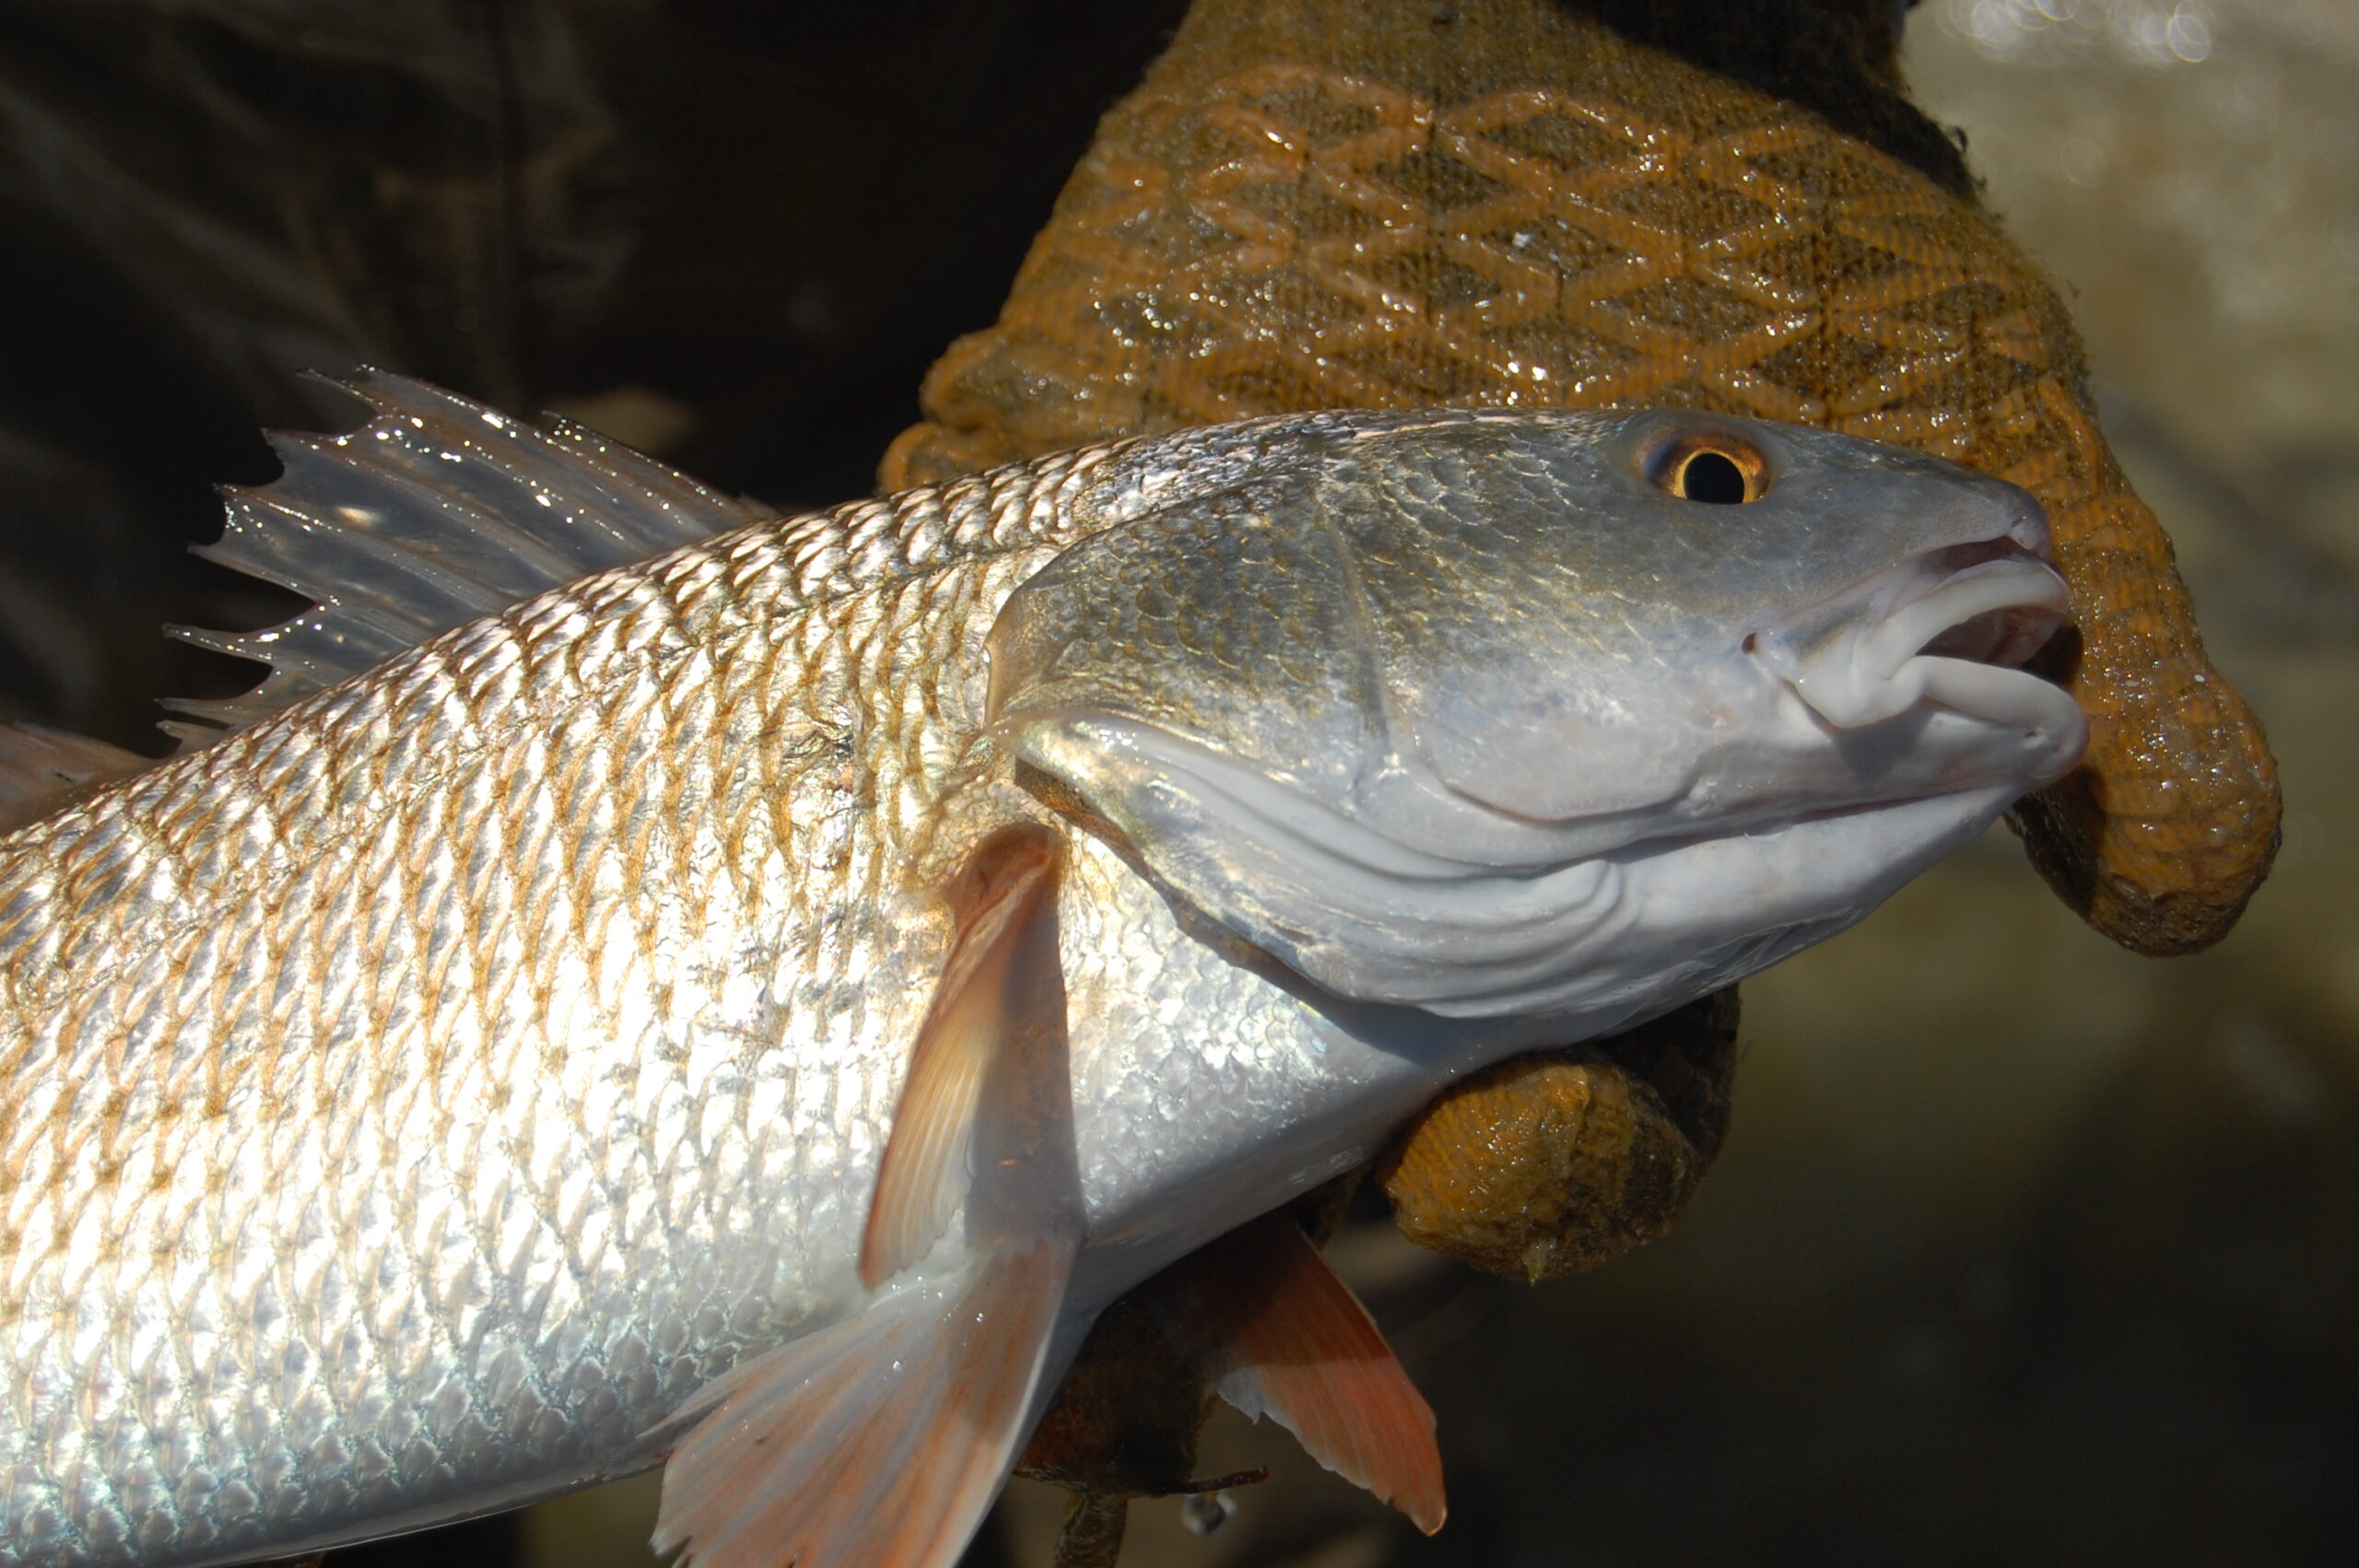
(437, 512)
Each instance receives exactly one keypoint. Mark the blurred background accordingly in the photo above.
(2022, 1248)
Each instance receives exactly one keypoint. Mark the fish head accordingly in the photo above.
(1541, 712)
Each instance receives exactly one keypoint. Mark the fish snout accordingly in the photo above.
(1950, 630)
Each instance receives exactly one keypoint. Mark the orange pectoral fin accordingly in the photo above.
(879, 1441)
(999, 997)
(876, 1443)
(1289, 1340)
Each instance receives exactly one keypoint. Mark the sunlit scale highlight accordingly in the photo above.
(468, 1078)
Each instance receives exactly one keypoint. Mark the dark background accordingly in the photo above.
(2022, 1248)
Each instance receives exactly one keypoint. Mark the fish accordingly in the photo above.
(646, 979)
(1597, 204)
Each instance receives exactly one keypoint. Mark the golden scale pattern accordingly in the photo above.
(519, 1150)
(1347, 203)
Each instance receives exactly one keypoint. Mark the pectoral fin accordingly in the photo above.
(1287, 1340)
(999, 998)
(876, 1443)
(879, 1441)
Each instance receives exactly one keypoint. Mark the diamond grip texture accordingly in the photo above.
(1319, 203)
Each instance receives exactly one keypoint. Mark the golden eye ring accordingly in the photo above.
(1713, 467)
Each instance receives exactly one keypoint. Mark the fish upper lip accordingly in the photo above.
(1954, 624)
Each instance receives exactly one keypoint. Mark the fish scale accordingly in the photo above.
(420, 1098)
(495, 1124)
(502, 943)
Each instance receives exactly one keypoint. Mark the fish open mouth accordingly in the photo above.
(1952, 626)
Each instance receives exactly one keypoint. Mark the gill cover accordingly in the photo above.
(1464, 710)
(1279, 695)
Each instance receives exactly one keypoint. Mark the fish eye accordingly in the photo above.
(1713, 467)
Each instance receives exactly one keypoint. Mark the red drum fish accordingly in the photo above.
(647, 978)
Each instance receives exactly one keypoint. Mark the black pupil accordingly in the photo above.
(1708, 476)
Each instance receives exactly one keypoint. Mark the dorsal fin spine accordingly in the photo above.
(279, 546)
(436, 512)
(516, 545)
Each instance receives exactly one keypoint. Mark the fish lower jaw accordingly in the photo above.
(1930, 635)
(2048, 725)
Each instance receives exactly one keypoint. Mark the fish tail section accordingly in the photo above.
(879, 1442)
(1289, 1340)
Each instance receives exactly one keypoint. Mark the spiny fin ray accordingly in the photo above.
(434, 513)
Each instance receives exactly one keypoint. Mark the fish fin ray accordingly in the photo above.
(437, 512)
(1288, 1339)
(38, 766)
(878, 1442)
(984, 1008)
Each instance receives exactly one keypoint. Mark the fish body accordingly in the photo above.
(418, 1099)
